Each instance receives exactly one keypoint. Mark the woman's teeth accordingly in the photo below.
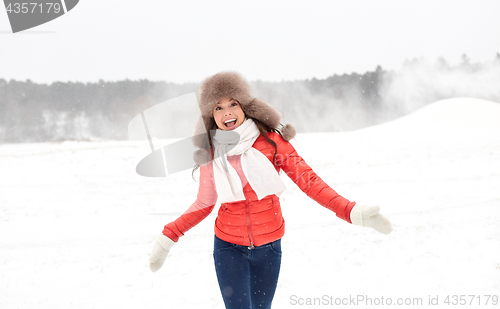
(230, 123)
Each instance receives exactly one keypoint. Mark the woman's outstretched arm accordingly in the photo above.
(309, 182)
(199, 210)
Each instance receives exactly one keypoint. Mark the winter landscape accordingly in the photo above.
(77, 224)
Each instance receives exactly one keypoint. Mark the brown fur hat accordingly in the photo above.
(233, 85)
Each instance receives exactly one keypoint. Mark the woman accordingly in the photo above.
(249, 225)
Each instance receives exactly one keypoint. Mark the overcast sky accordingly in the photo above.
(186, 41)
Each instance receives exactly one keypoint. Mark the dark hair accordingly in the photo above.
(263, 129)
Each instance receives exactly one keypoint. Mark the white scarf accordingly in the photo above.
(258, 170)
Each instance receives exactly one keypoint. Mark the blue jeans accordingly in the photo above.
(247, 277)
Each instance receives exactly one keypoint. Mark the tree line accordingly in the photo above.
(31, 112)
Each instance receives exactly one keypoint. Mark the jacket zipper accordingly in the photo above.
(248, 225)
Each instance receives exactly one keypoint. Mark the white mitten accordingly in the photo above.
(162, 246)
(370, 216)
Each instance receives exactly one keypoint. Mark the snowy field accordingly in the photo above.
(77, 224)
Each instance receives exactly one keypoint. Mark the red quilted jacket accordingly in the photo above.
(252, 221)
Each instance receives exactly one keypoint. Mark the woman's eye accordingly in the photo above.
(234, 103)
(217, 108)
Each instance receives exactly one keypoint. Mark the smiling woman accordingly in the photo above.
(249, 225)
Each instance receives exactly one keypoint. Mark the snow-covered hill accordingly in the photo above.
(77, 224)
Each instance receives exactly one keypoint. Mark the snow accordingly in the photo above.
(77, 224)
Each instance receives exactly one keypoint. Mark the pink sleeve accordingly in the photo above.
(199, 210)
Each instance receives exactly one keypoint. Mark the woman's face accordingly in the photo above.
(228, 114)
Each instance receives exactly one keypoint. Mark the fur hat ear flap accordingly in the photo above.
(288, 132)
(263, 111)
(200, 138)
(201, 156)
(269, 115)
